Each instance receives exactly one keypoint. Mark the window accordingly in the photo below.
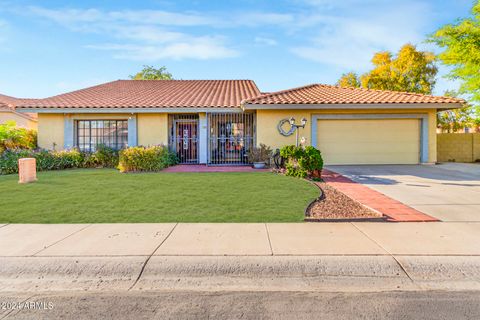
(111, 133)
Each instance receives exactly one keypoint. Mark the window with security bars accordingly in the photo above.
(111, 133)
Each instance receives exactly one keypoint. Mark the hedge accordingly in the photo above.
(154, 158)
(57, 160)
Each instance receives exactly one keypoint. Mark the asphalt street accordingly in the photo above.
(435, 305)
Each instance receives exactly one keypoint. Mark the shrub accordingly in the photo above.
(260, 154)
(302, 161)
(12, 137)
(153, 158)
(46, 160)
(105, 157)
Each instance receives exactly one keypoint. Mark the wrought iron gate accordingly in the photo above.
(230, 137)
(184, 137)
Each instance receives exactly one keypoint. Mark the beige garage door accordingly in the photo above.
(389, 141)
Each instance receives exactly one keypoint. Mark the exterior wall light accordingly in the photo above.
(297, 126)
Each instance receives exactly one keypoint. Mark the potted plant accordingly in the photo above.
(259, 156)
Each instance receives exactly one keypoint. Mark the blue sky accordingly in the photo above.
(50, 47)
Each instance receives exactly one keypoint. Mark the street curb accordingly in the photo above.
(240, 273)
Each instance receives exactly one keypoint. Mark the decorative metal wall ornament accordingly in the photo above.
(282, 131)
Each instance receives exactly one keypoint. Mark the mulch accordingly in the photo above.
(333, 204)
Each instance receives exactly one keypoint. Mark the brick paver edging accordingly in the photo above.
(393, 209)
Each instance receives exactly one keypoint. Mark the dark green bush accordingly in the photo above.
(46, 160)
(153, 158)
(106, 157)
(302, 161)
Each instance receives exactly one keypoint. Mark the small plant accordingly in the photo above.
(260, 154)
(154, 158)
(302, 162)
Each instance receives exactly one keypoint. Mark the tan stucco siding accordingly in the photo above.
(21, 122)
(50, 131)
(152, 129)
(432, 136)
(267, 121)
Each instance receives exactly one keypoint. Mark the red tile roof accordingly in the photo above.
(153, 94)
(328, 94)
(8, 103)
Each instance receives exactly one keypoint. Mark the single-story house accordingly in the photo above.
(217, 121)
(8, 113)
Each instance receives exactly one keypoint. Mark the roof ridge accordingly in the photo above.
(273, 94)
(417, 94)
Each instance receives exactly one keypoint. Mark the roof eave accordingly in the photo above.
(351, 106)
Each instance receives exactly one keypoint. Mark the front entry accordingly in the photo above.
(184, 138)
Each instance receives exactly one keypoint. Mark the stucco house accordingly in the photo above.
(217, 121)
(8, 113)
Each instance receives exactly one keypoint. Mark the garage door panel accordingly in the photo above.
(389, 141)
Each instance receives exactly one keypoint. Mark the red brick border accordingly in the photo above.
(393, 209)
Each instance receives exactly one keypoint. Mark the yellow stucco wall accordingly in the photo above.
(267, 121)
(50, 131)
(19, 120)
(152, 129)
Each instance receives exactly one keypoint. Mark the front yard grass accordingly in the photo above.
(105, 195)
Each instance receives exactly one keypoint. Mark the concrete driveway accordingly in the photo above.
(449, 192)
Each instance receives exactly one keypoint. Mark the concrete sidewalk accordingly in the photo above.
(304, 256)
(239, 239)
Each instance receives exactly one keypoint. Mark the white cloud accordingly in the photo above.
(253, 19)
(144, 34)
(198, 48)
(265, 41)
(73, 17)
(349, 42)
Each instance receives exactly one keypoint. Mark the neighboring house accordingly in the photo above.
(8, 113)
(217, 121)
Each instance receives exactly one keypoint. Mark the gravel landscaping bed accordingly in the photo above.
(335, 205)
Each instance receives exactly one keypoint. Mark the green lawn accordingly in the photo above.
(104, 195)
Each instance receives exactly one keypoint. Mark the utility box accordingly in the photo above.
(27, 170)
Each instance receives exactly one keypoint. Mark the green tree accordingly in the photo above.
(349, 80)
(151, 73)
(460, 42)
(456, 119)
(409, 70)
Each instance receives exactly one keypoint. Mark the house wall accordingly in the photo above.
(267, 121)
(458, 147)
(50, 131)
(19, 120)
(152, 129)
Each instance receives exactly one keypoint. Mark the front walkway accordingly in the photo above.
(234, 239)
(393, 209)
